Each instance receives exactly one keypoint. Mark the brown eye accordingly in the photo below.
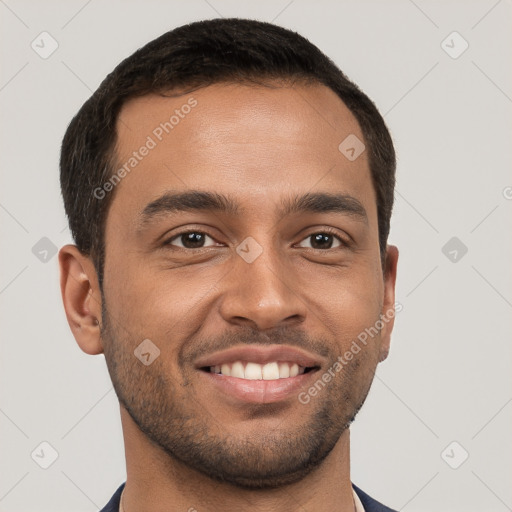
(189, 240)
(324, 240)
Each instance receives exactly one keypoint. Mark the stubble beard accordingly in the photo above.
(173, 421)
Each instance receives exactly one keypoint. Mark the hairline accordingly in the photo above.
(279, 81)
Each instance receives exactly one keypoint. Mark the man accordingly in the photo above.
(229, 191)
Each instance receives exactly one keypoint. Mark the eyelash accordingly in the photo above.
(325, 231)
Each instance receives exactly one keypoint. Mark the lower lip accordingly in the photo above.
(258, 391)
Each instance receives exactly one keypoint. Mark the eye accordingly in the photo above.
(324, 240)
(321, 240)
(190, 240)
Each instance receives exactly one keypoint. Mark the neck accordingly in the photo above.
(155, 481)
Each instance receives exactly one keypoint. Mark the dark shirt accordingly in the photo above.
(369, 504)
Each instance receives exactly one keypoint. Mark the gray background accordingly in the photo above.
(448, 375)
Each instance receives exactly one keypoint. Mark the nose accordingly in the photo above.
(263, 294)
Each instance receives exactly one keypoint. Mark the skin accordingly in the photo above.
(257, 145)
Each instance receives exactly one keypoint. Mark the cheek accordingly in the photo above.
(165, 304)
(344, 301)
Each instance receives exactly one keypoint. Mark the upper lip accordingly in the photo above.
(260, 354)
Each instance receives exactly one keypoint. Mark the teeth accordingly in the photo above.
(284, 370)
(270, 371)
(254, 371)
(237, 370)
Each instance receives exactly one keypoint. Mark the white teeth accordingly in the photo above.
(237, 370)
(254, 371)
(270, 371)
(284, 370)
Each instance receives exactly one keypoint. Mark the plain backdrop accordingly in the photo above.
(434, 433)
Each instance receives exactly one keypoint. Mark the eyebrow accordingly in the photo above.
(196, 200)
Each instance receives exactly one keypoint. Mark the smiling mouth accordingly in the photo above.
(248, 370)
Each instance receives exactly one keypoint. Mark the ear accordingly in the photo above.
(81, 297)
(388, 305)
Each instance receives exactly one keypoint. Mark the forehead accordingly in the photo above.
(252, 142)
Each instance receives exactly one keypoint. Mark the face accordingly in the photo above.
(249, 294)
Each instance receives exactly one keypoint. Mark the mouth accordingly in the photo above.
(249, 370)
(259, 374)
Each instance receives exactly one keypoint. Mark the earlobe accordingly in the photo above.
(383, 355)
(388, 304)
(81, 298)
